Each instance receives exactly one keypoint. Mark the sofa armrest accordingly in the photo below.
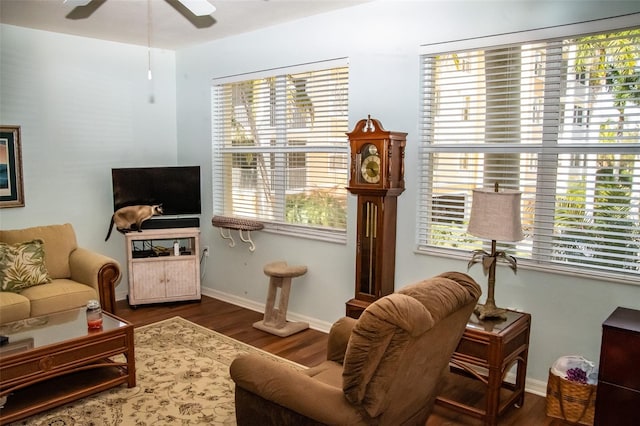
(292, 389)
(98, 271)
(339, 338)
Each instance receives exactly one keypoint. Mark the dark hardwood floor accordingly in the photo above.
(309, 348)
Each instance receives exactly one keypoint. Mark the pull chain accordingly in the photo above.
(149, 75)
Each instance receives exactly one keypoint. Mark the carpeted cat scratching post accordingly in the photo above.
(275, 319)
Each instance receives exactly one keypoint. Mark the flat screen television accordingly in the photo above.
(177, 188)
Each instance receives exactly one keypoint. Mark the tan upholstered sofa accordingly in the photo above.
(383, 369)
(77, 275)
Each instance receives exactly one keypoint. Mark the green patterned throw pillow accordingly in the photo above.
(22, 266)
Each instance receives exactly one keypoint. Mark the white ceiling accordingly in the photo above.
(172, 26)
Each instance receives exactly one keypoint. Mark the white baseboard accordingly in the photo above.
(314, 323)
(536, 387)
(121, 295)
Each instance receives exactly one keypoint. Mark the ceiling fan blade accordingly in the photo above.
(82, 9)
(198, 7)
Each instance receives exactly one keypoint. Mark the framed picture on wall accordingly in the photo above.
(11, 186)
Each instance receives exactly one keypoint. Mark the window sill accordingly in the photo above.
(320, 234)
(531, 265)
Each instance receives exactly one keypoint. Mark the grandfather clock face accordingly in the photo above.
(370, 164)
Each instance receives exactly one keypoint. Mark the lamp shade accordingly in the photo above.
(496, 215)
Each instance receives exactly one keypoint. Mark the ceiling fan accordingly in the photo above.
(197, 7)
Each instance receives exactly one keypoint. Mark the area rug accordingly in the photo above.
(182, 378)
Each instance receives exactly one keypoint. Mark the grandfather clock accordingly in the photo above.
(376, 178)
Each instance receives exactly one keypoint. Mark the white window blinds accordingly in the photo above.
(558, 120)
(280, 149)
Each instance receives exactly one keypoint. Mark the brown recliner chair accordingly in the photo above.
(381, 369)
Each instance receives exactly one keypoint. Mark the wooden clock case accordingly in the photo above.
(377, 211)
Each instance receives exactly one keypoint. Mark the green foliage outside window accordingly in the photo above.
(597, 238)
(321, 208)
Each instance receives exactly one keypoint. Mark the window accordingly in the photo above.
(559, 120)
(280, 149)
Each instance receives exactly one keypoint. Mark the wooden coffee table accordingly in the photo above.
(54, 359)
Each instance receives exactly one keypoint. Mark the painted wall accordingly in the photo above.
(382, 40)
(84, 106)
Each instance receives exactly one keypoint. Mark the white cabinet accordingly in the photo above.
(163, 265)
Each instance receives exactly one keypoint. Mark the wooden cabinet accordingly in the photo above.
(159, 273)
(618, 391)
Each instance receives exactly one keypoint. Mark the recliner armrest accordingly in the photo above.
(98, 271)
(339, 338)
(290, 388)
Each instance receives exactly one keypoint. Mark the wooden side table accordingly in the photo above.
(486, 352)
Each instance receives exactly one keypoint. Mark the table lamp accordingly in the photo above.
(495, 215)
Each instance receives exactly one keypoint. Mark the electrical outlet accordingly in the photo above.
(205, 251)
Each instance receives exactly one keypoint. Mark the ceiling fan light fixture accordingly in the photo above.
(77, 3)
(198, 7)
